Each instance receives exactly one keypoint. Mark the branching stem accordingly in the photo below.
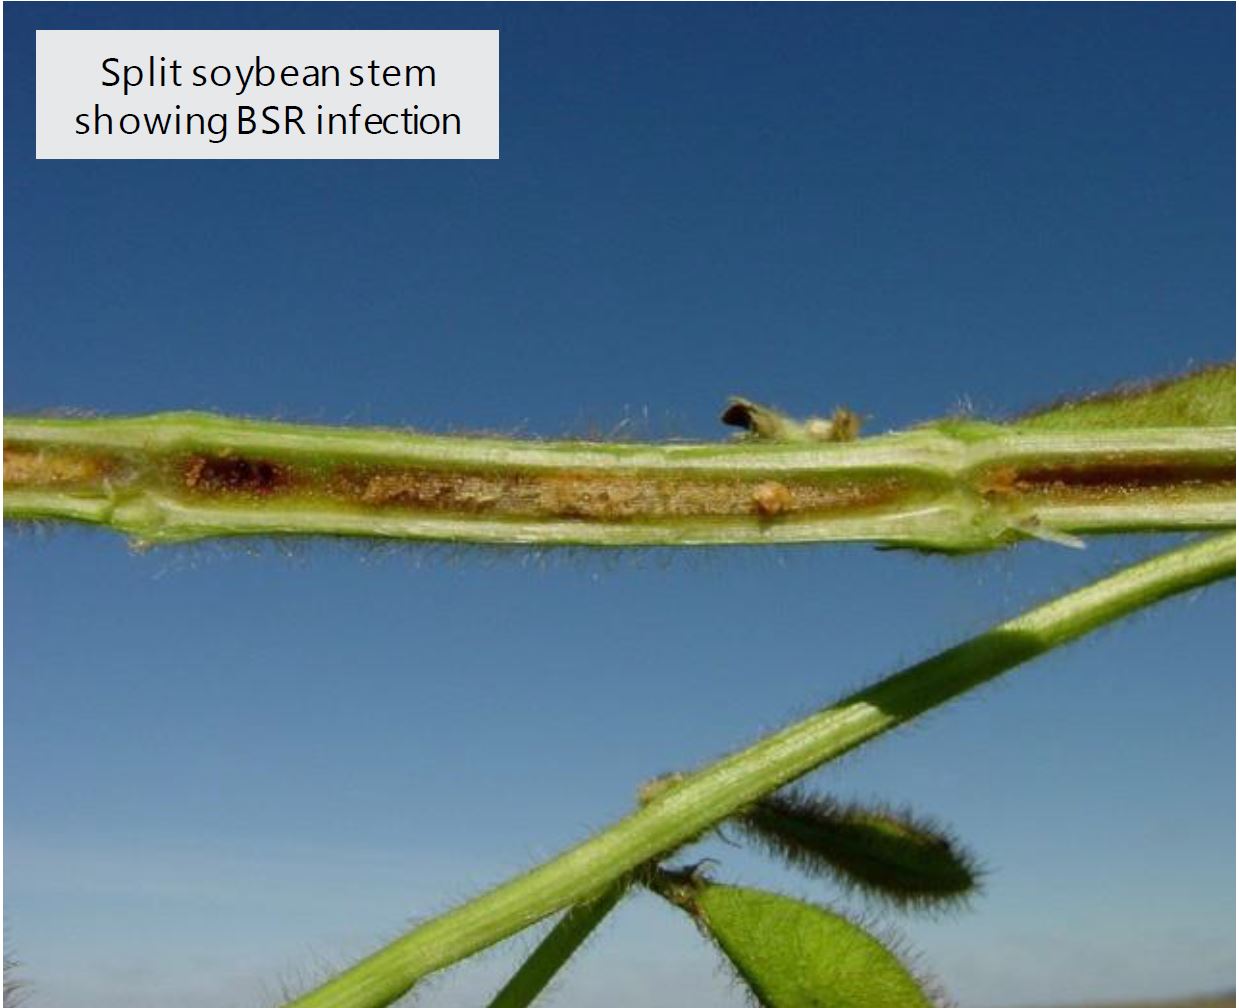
(569, 932)
(687, 806)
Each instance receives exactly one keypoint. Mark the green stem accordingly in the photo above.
(557, 948)
(685, 808)
(957, 487)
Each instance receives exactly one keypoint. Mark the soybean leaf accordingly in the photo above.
(1204, 398)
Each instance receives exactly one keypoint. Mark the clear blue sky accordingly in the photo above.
(227, 769)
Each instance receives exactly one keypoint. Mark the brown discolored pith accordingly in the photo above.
(596, 496)
(1100, 479)
(33, 467)
(234, 475)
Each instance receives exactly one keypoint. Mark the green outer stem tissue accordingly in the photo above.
(182, 476)
(702, 799)
(557, 948)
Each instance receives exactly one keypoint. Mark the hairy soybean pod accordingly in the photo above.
(891, 855)
(792, 954)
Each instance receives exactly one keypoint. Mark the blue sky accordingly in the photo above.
(230, 768)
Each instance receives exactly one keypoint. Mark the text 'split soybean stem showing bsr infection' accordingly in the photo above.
(400, 94)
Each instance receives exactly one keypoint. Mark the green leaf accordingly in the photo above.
(1203, 399)
(893, 855)
(797, 955)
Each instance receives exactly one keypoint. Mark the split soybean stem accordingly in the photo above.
(705, 798)
(557, 947)
(182, 476)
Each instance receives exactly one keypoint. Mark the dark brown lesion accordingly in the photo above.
(233, 474)
(1101, 479)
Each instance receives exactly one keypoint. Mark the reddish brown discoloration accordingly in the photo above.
(1128, 475)
(1098, 480)
(220, 474)
(597, 495)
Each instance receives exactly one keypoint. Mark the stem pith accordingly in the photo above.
(183, 476)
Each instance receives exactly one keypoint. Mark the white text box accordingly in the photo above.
(267, 94)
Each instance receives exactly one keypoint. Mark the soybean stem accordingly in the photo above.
(182, 476)
(698, 801)
(557, 947)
